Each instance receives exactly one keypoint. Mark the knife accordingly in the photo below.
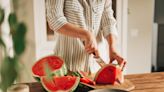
(100, 61)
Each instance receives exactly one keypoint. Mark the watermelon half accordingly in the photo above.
(55, 64)
(107, 74)
(60, 84)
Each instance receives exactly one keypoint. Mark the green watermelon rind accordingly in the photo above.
(61, 71)
(73, 88)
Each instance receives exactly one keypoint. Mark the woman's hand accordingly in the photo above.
(113, 53)
(77, 32)
(115, 56)
(91, 44)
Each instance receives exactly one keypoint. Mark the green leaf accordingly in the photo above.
(2, 43)
(19, 46)
(21, 30)
(19, 39)
(2, 15)
(12, 19)
(8, 72)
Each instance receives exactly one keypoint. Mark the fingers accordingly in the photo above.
(119, 59)
(96, 54)
(111, 60)
(115, 56)
(91, 45)
(123, 65)
(92, 49)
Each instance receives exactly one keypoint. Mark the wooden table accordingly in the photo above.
(150, 82)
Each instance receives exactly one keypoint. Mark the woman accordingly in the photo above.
(80, 27)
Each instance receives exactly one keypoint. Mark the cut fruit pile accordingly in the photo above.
(55, 80)
(58, 80)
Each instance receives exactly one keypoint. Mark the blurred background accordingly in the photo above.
(140, 25)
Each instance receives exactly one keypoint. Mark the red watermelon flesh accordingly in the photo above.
(53, 62)
(60, 84)
(67, 82)
(48, 84)
(106, 75)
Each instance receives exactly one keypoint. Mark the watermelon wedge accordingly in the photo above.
(55, 64)
(108, 74)
(83, 74)
(84, 77)
(60, 84)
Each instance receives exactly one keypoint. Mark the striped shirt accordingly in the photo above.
(93, 15)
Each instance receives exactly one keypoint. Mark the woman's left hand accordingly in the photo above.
(115, 56)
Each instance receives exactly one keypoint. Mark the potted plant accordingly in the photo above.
(10, 64)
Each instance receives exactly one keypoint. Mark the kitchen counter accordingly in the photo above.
(150, 82)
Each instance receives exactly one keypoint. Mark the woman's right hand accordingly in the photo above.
(77, 32)
(91, 44)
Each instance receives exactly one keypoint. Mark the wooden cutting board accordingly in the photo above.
(127, 86)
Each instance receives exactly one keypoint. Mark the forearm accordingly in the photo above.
(73, 31)
(113, 52)
(111, 39)
(77, 32)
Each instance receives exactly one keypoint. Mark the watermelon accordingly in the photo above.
(83, 74)
(108, 74)
(55, 64)
(84, 78)
(60, 84)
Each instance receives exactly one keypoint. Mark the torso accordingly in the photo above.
(85, 14)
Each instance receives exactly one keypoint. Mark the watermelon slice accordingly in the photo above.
(55, 64)
(83, 74)
(107, 74)
(60, 84)
(84, 78)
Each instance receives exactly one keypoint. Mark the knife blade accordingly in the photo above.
(100, 61)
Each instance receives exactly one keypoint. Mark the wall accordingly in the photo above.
(4, 28)
(140, 23)
(25, 14)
